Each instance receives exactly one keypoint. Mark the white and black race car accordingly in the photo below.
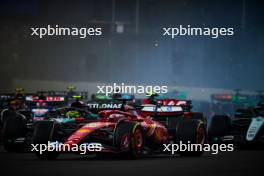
(245, 129)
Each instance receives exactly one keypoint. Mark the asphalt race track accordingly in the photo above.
(238, 163)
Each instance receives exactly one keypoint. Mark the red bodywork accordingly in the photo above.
(110, 118)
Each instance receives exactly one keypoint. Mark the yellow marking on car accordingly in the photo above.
(83, 130)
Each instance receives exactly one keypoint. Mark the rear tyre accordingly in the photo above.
(219, 127)
(129, 139)
(45, 131)
(191, 131)
(199, 116)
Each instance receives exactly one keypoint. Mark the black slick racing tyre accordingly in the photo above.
(129, 139)
(15, 127)
(191, 131)
(199, 116)
(45, 131)
(220, 126)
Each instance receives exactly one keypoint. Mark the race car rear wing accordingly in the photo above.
(161, 110)
(4, 99)
(167, 109)
(33, 100)
(66, 94)
(185, 104)
(47, 98)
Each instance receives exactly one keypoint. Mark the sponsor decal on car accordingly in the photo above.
(254, 127)
(104, 106)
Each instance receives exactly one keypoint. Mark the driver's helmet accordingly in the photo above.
(77, 97)
(71, 88)
(19, 93)
(78, 103)
(152, 94)
(151, 98)
(19, 90)
(73, 114)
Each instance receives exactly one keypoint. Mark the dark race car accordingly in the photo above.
(128, 132)
(18, 119)
(186, 105)
(32, 107)
(18, 130)
(245, 129)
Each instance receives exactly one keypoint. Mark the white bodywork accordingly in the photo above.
(254, 127)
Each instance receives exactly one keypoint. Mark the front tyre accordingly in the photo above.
(14, 127)
(45, 131)
(129, 139)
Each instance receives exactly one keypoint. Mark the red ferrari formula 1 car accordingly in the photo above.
(129, 132)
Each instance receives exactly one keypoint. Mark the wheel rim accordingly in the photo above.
(125, 142)
(138, 140)
(200, 138)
